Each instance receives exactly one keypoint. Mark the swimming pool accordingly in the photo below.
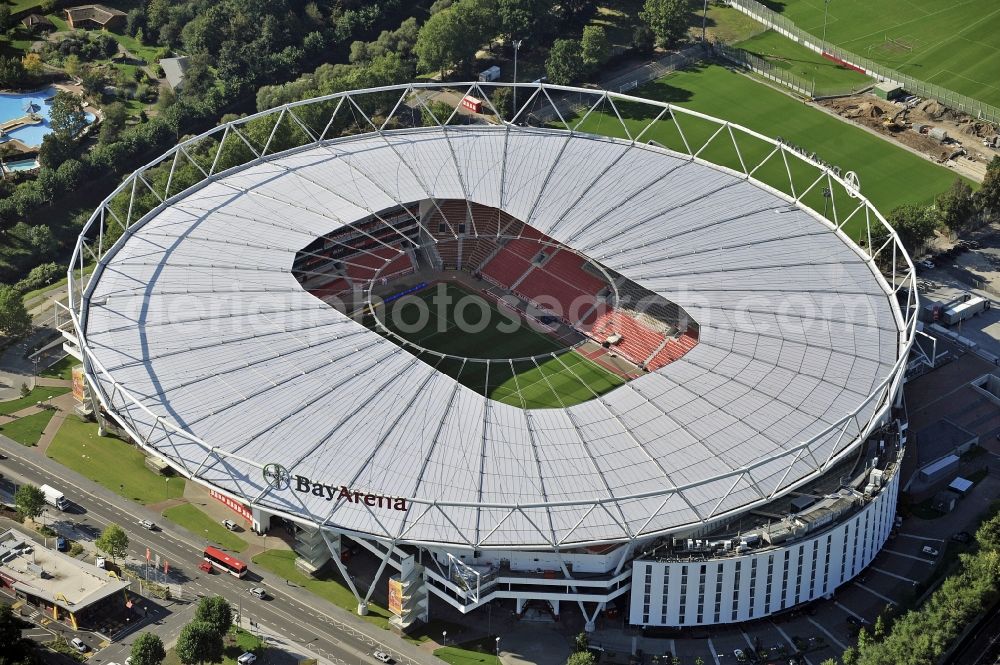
(21, 165)
(12, 105)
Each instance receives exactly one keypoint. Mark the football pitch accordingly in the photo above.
(451, 320)
(791, 57)
(889, 175)
(951, 44)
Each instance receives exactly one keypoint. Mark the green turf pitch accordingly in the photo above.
(821, 74)
(558, 378)
(889, 175)
(951, 44)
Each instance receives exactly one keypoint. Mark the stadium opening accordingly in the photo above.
(597, 349)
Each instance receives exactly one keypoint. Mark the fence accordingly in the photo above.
(915, 86)
(762, 67)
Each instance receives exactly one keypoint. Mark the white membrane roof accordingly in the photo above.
(198, 316)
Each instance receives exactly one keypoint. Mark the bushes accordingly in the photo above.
(924, 635)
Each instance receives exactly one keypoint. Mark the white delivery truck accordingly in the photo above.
(54, 497)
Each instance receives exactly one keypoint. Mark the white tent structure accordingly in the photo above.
(199, 342)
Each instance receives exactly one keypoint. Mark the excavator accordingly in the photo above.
(897, 122)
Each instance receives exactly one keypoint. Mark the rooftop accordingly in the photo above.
(199, 315)
(67, 582)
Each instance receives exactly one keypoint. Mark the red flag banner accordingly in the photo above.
(147, 554)
(166, 566)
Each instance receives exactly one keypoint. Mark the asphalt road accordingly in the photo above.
(289, 614)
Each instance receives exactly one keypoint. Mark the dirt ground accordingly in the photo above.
(962, 150)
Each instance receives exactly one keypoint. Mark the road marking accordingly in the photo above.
(711, 648)
(850, 611)
(915, 537)
(747, 638)
(791, 642)
(909, 556)
(875, 593)
(843, 647)
(886, 572)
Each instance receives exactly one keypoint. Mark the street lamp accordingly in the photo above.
(704, 19)
(498, 650)
(444, 638)
(826, 10)
(517, 47)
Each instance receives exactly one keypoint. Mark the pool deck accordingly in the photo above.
(17, 123)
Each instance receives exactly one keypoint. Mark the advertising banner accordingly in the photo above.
(396, 597)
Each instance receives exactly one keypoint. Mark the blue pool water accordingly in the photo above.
(12, 105)
(21, 165)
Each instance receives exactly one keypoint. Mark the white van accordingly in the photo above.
(929, 551)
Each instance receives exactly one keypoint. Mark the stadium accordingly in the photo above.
(513, 360)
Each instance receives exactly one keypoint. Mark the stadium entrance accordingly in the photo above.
(495, 303)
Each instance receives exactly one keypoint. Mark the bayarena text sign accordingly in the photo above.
(278, 477)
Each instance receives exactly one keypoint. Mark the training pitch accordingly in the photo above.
(889, 175)
(528, 368)
(951, 44)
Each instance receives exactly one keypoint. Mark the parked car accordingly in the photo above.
(61, 544)
(259, 592)
(929, 551)
(926, 263)
(740, 656)
(247, 658)
(146, 524)
(101, 562)
(383, 656)
(229, 524)
(857, 621)
(962, 537)
(78, 644)
(205, 566)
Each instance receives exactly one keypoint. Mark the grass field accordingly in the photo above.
(476, 652)
(200, 524)
(793, 58)
(889, 175)
(326, 586)
(236, 643)
(112, 463)
(39, 394)
(952, 44)
(61, 369)
(27, 430)
(564, 379)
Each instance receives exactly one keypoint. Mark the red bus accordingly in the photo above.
(223, 561)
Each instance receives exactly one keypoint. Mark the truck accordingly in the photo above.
(54, 497)
(964, 310)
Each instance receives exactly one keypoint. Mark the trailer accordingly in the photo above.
(473, 104)
(965, 310)
(491, 74)
(54, 497)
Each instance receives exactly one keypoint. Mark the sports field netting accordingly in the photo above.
(494, 353)
(951, 44)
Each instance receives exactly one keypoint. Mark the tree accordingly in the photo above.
(56, 149)
(113, 123)
(988, 196)
(216, 612)
(72, 65)
(914, 224)
(30, 501)
(5, 22)
(879, 630)
(92, 80)
(113, 541)
(41, 239)
(988, 535)
(16, 650)
(643, 39)
(581, 642)
(199, 643)
(850, 656)
(12, 72)
(147, 649)
(699, 661)
(565, 65)
(33, 64)
(667, 18)
(503, 102)
(67, 116)
(523, 19)
(595, 49)
(14, 318)
(451, 37)
(955, 209)
(580, 658)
